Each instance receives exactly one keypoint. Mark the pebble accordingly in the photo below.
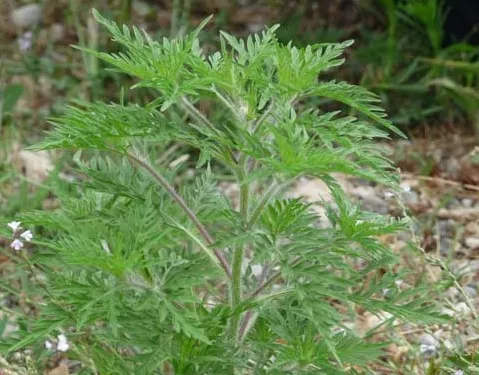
(410, 197)
(445, 245)
(257, 270)
(428, 350)
(462, 309)
(141, 8)
(466, 266)
(370, 201)
(471, 291)
(472, 242)
(428, 339)
(57, 32)
(27, 16)
(467, 202)
(451, 293)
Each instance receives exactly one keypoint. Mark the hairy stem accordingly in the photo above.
(201, 118)
(274, 187)
(163, 182)
(249, 314)
(272, 279)
(236, 276)
(197, 114)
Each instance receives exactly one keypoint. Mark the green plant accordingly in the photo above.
(428, 16)
(146, 277)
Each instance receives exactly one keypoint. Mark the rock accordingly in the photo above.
(34, 165)
(428, 350)
(428, 339)
(57, 32)
(453, 168)
(471, 291)
(462, 309)
(448, 312)
(451, 293)
(370, 201)
(472, 242)
(27, 16)
(446, 245)
(454, 203)
(141, 8)
(62, 369)
(466, 266)
(410, 197)
(257, 270)
(467, 202)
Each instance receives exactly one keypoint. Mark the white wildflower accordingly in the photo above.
(27, 235)
(14, 225)
(16, 244)
(25, 41)
(62, 344)
(48, 345)
(385, 291)
(398, 283)
(458, 372)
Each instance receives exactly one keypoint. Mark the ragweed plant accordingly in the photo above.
(147, 272)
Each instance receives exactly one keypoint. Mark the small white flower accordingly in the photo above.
(385, 291)
(27, 235)
(398, 283)
(62, 344)
(14, 225)
(459, 372)
(48, 345)
(16, 244)
(388, 194)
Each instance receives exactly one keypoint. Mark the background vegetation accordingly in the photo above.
(425, 72)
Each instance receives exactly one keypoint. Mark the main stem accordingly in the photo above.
(236, 274)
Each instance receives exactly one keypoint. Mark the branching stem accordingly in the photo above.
(272, 279)
(197, 114)
(163, 182)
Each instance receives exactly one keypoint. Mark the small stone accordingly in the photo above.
(370, 200)
(466, 266)
(454, 204)
(472, 243)
(410, 197)
(27, 16)
(446, 245)
(449, 345)
(257, 270)
(141, 8)
(428, 339)
(471, 291)
(467, 202)
(57, 32)
(428, 350)
(447, 312)
(451, 293)
(462, 309)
